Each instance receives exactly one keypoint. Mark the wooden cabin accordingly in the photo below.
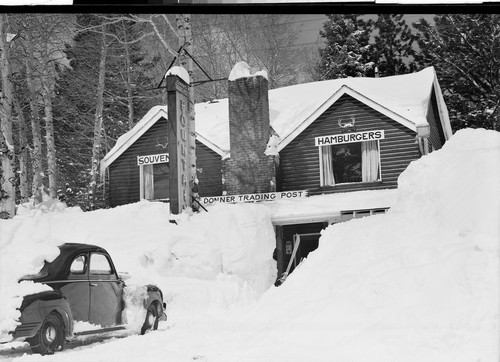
(349, 138)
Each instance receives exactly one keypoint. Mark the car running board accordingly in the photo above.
(102, 330)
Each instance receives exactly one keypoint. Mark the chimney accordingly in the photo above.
(248, 169)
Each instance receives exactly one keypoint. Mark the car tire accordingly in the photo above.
(152, 318)
(50, 337)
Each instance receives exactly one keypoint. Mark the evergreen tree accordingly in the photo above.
(465, 50)
(347, 52)
(393, 52)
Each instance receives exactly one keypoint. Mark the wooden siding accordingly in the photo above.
(437, 138)
(209, 167)
(299, 160)
(124, 173)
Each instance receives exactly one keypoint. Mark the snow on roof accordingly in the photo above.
(127, 139)
(404, 98)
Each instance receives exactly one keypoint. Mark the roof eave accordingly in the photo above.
(211, 145)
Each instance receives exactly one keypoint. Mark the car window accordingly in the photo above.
(78, 265)
(99, 264)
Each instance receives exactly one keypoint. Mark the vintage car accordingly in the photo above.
(86, 287)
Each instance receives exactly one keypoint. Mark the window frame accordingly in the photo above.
(98, 272)
(321, 171)
(141, 183)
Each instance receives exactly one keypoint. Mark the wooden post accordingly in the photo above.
(178, 130)
(280, 250)
(185, 39)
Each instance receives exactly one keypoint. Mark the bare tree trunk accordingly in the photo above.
(128, 86)
(96, 149)
(7, 150)
(47, 88)
(23, 153)
(36, 160)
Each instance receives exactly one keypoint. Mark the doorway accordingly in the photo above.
(298, 241)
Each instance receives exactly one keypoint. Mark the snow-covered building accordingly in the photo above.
(349, 138)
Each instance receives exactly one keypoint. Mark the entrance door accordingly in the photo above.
(306, 243)
(309, 235)
(155, 181)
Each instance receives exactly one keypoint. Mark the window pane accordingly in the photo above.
(78, 265)
(161, 180)
(347, 162)
(99, 264)
(148, 181)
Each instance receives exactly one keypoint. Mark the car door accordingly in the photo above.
(76, 287)
(106, 291)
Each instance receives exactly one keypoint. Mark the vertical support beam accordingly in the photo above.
(280, 250)
(177, 102)
(185, 38)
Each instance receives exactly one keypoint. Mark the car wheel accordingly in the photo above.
(50, 336)
(151, 322)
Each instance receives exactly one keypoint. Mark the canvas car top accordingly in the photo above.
(58, 268)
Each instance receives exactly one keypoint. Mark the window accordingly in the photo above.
(155, 181)
(99, 264)
(350, 162)
(78, 265)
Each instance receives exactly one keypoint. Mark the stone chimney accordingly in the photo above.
(248, 169)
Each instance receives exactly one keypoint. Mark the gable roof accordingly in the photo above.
(403, 98)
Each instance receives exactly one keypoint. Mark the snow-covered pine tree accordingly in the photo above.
(347, 52)
(393, 51)
(465, 50)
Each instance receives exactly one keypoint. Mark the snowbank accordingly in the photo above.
(232, 242)
(420, 283)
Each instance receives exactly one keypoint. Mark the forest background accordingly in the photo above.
(71, 84)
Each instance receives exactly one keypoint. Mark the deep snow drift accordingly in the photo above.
(420, 283)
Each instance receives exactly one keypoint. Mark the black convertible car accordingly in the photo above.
(86, 287)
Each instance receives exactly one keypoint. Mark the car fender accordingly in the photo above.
(35, 308)
(155, 295)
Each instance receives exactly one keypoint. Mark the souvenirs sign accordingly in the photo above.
(152, 159)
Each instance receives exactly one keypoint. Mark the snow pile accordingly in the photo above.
(419, 283)
(22, 252)
(232, 243)
(243, 70)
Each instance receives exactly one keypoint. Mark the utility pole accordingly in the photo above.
(183, 22)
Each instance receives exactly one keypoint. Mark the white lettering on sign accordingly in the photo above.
(349, 138)
(269, 196)
(152, 159)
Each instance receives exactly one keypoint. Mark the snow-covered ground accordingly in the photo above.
(420, 283)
